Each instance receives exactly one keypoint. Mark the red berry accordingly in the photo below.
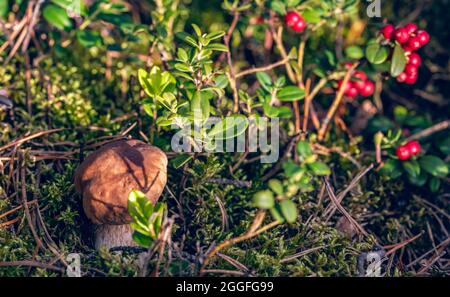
(349, 89)
(299, 26)
(361, 75)
(346, 88)
(423, 36)
(260, 20)
(412, 78)
(403, 153)
(387, 31)
(348, 65)
(413, 147)
(402, 77)
(291, 18)
(353, 92)
(411, 69)
(401, 35)
(359, 85)
(411, 28)
(368, 89)
(414, 59)
(414, 43)
(407, 49)
(361, 80)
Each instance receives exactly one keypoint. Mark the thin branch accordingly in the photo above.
(263, 68)
(337, 101)
(342, 209)
(429, 131)
(253, 231)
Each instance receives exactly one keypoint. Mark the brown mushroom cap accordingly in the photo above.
(107, 176)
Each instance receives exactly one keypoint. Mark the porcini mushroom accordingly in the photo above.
(105, 179)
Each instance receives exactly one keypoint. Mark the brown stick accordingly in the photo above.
(31, 264)
(25, 205)
(337, 101)
(306, 107)
(263, 68)
(253, 231)
(278, 37)
(429, 131)
(342, 209)
(27, 138)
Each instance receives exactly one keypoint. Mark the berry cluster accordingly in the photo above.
(404, 152)
(295, 21)
(359, 84)
(411, 39)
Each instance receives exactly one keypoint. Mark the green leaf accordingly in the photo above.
(221, 81)
(312, 16)
(182, 67)
(291, 93)
(197, 30)
(398, 62)
(200, 105)
(376, 54)
(264, 199)
(278, 7)
(391, 168)
(229, 127)
(146, 218)
(264, 80)
(284, 112)
(419, 180)
(180, 160)
(412, 168)
(145, 82)
(89, 38)
(75, 6)
(4, 8)
(276, 186)
(138, 203)
(304, 149)
(434, 166)
(57, 16)
(354, 52)
(434, 183)
(444, 145)
(141, 239)
(217, 47)
(400, 113)
(319, 168)
(276, 214)
(291, 168)
(186, 38)
(215, 35)
(270, 110)
(182, 55)
(331, 58)
(289, 210)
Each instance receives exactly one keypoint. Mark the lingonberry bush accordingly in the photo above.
(355, 157)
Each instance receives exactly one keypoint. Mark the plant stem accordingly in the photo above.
(337, 101)
(253, 231)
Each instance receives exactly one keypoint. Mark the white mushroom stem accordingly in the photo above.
(110, 236)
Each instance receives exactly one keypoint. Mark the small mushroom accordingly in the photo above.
(105, 179)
